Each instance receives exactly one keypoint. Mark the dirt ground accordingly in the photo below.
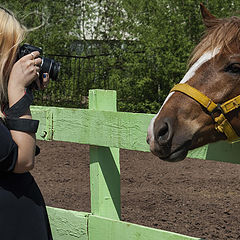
(194, 197)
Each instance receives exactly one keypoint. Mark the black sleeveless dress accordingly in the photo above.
(23, 214)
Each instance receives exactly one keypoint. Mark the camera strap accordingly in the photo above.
(12, 114)
(22, 124)
(20, 107)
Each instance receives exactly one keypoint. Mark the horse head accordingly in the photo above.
(203, 108)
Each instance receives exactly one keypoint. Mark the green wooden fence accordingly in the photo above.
(107, 130)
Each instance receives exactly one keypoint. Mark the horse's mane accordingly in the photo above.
(223, 34)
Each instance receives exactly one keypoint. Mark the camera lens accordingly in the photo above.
(51, 67)
(55, 70)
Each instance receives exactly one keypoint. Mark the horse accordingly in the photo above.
(204, 107)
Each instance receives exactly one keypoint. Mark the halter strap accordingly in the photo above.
(196, 95)
(221, 123)
(230, 105)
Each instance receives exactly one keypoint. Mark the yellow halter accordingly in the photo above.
(222, 125)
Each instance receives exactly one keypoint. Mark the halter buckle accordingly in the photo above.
(219, 109)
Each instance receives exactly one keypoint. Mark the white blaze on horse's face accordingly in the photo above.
(190, 74)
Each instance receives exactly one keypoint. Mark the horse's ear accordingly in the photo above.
(208, 19)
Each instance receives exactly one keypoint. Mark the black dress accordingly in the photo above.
(23, 214)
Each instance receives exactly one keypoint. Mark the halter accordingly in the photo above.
(222, 125)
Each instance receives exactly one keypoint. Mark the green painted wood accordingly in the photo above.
(103, 100)
(104, 163)
(68, 225)
(45, 116)
(224, 152)
(114, 129)
(72, 225)
(102, 128)
(107, 229)
(220, 151)
(200, 153)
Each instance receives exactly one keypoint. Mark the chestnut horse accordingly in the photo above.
(204, 107)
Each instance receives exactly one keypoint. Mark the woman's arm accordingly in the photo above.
(24, 72)
(26, 150)
(26, 143)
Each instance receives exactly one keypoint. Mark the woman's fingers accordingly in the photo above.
(31, 55)
(35, 66)
(45, 79)
(31, 67)
(43, 82)
(37, 69)
(37, 62)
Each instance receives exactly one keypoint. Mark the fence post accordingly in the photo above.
(104, 164)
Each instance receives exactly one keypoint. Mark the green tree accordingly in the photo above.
(53, 22)
(141, 46)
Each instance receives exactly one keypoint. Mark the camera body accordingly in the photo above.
(48, 65)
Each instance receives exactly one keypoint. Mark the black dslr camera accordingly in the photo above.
(48, 65)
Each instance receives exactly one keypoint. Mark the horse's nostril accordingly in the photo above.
(163, 133)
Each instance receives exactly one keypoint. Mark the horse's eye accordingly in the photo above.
(233, 68)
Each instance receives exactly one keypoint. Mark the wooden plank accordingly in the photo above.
(200, 153)
(45, 116)
(101, 128)
(73, 225)
(107, 229)
(115, 129)
(224, 152)
(68, 225)
(104, 164)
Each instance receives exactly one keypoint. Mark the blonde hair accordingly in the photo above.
(12, 33)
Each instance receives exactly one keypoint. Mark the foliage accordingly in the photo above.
(138, 47)
(57, 17)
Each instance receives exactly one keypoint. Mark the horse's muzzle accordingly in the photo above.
(162, 143)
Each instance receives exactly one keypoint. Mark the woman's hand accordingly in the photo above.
(43, 82)
(25, 70)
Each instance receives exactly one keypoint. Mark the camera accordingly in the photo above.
(48, 65)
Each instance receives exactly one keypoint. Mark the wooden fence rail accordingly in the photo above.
(107, 130)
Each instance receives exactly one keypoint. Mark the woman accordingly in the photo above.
(23, 213)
